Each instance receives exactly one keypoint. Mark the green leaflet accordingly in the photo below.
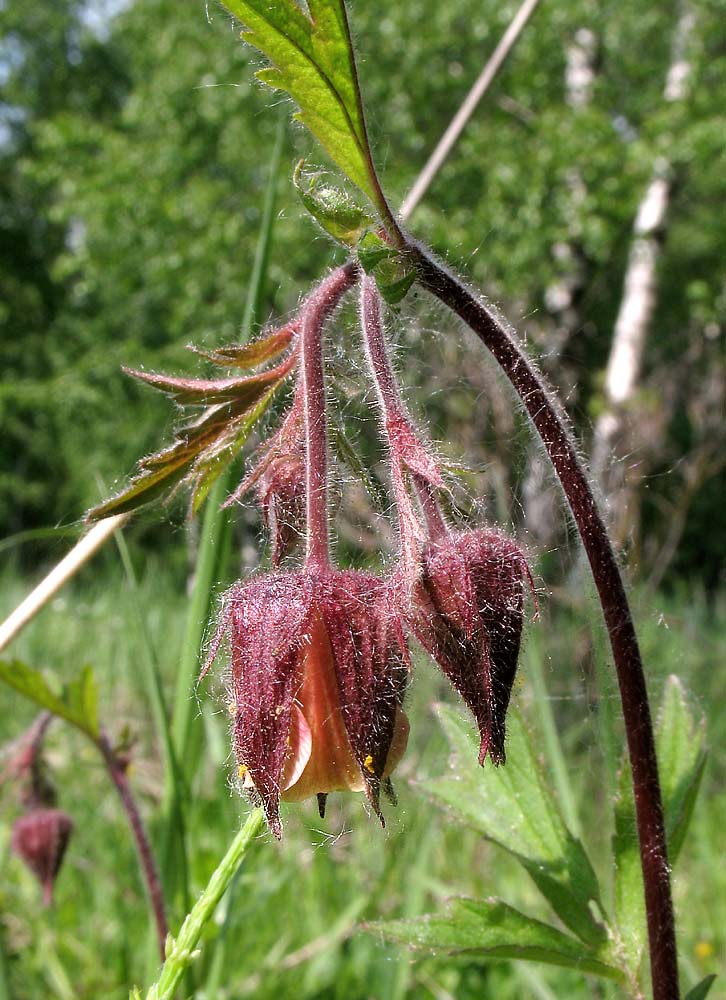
(513, 807)
(312, 61)
(76, 701)
(680, 745)
(701, 990)
(331, 207)
(492, 929)
(384, 263)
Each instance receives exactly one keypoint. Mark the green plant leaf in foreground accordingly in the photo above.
(701, 990)
(331, 207)
(492, 929)
(680, 745)
(76, 702)
(312, 61)
(512, 806)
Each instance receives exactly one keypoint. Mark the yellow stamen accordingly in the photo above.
(368, 764)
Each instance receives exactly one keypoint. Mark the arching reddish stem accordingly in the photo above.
(552, 428)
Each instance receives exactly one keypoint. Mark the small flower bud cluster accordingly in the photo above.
(41, 833)
(319, 660)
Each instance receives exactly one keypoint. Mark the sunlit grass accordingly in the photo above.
(291, 925)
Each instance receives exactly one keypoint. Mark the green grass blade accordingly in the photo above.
(212, 560)
(212, 556)
(550, 735)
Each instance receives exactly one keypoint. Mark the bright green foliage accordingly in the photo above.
(513, 807)
(491, 929)
(76, 701)
(680, 744)
(335, 210)
(312, 61)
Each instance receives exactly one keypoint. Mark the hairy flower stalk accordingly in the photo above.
(319, 307)
(461, 592)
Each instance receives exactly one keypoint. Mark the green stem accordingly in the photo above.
(181, 952)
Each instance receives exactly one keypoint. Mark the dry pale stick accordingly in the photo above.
(59, 576)
(462, 116)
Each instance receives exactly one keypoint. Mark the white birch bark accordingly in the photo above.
(619, 481)
(540, 495)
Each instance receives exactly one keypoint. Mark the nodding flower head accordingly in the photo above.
(467, 612)
(40, 838)
(318, 671)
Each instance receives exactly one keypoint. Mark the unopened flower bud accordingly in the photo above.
(468, 612)
(40, 837)
(318, 672)
(281, 491)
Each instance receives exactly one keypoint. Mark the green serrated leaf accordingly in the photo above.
(701, 990)
(394, 281)
(312, 61)
(331, 207)
(681, 753)
(493, 929)
(76, 702)
(513, 807)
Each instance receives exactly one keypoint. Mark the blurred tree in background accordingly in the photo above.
(133, 158)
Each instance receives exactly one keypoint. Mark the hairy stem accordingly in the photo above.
(392, 409)
(314, 314)
(117, 767)
(626, 654)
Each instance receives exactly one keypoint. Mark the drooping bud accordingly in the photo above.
(40, 838)
(281, 492)
(318, 672)
(468, 612)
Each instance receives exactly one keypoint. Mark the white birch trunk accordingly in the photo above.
(540, 495)
(618, 480)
